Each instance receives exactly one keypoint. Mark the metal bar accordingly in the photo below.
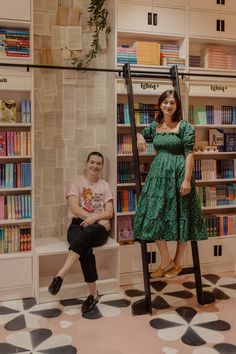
(128, 81)
(147, 74)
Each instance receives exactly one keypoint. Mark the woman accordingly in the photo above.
(90, 210)
(168, 207)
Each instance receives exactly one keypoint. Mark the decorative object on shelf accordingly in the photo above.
(97, 23)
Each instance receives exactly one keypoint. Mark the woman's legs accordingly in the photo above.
(164, 253)
(179, 255)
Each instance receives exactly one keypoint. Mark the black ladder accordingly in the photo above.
(144, 306)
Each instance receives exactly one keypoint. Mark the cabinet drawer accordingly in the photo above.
(16, 272)
(9, 10)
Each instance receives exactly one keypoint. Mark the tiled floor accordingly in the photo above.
(178, 324)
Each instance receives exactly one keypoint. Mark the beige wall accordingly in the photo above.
(71, 120)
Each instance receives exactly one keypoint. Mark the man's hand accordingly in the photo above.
(105, 223)
(89, 220)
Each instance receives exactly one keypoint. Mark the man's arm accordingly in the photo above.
(107, 214)
(73, 203)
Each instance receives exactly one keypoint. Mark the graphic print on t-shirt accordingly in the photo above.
(92, 202)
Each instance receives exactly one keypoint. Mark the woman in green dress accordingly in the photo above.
(168, 207)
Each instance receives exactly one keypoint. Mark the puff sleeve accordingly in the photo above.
(150, 131)
(188, 138)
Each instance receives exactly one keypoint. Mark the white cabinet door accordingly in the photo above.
(174, 3)
(229, 26)
(134, 17)
(207, 251)
(228, 250)
(203, 24)
(170, 21)
(205, 5)
(12, 10)
(229, 6)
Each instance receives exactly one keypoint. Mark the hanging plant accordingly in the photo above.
(97, 23)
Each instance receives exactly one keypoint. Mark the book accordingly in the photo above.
(216, 138)
(7, 111)
(124, 228)
(230, 142)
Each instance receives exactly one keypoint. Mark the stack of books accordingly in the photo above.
(170, 55)
(215, 58)
(126, 54)
(148, 53)
(14, 42)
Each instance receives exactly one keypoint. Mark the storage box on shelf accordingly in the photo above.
(16, 188)
(50, 255)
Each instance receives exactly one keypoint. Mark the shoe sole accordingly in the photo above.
(86, 311)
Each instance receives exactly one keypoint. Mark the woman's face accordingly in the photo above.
(94, 165)
(168, 106)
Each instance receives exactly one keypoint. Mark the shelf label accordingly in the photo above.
(217, 90)
(144, 87)
(3, 79)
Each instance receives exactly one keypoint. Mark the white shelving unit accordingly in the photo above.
(16, 268)
(192, 25)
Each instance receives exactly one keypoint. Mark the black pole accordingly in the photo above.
(128, 82)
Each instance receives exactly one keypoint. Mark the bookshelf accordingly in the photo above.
(209, 48)
(16, 158)
(16, 31)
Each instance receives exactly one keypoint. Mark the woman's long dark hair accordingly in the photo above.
(177, 116)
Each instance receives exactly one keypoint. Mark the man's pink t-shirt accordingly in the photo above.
(92, 196)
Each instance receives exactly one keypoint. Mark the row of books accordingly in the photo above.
(145, 115)
(217, 58)
(210, 114)
(220, 225)
(14, 42)
(124, 145)
(219, 195)
(125, 171)
(8, 113)
(15, 175)
(213, 169)
(14, 239)
(126, 201)
(15, 143)
(150, 53)
(220, 140)
(14, 207)
(216, 225)
(169, 55)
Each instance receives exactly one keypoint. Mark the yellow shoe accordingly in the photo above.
(160, 272)
(173, 272)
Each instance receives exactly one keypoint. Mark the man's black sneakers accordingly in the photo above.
(55, 285)
(89, 303)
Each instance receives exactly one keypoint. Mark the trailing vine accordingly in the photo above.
(97, 22)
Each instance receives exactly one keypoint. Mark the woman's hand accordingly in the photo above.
(141, 143)
(105, 223)
(89, 220)
(185, 187)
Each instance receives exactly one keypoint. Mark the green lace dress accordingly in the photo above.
(162, 213)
